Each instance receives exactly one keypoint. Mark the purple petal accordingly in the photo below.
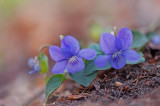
(32, 72)
(75, 64)
(31, 62)
(131, 55)
(125, 35)
(88, 53)
(101, 61)
(56, 53)
(69, 46)
(117, 61)
(156, 39)
(59, 67)
(37, 67)
(107, 43)
(119, 44)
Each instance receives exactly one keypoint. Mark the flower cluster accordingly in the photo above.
(69, 57)
(82, 65)
(116, 48)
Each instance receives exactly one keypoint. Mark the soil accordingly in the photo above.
(132, 85)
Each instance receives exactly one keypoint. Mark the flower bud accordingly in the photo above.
(61, 37)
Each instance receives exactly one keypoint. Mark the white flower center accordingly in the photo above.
(116, 54)
(112, 32)
(73, 60)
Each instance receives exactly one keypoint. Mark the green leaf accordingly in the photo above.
(139, 40)
(53, 83)
(151, 34)
(43, 63)
(89, 64)
(142, 59)
(90, 67)
(97, 48)
(85, 80)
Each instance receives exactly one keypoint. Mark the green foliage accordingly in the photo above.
(53, 83)
(43, 63)
(90, 67)
(83, 79)
(97, 48)
(89, 64)
(142, 59)
(139, 40)
(151, 34)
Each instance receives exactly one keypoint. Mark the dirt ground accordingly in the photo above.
(134, 85)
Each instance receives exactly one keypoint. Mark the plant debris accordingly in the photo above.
(75, 97)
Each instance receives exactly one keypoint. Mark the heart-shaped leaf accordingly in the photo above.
(83, 79)
(90, 67)
(53, 83)
(89, 64)
(139, 40)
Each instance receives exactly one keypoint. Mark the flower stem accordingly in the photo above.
(115, 30)
(40, 50)
(66, 75)
(45, 78)
(142, 48)
(61, 37)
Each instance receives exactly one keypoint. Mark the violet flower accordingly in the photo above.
(116, 49)
(35, 64)
(155, 39)
(69, 56)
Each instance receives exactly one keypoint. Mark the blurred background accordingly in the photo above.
(26, 25)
